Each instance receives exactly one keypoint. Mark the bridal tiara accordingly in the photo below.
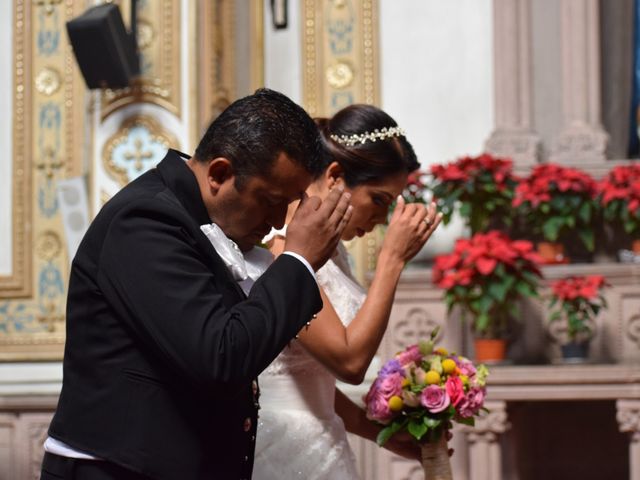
(351, 140)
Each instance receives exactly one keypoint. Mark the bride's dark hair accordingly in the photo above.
(372, 160)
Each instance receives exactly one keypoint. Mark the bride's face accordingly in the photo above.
(371, 202)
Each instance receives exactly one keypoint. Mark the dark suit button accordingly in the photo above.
(246, 458)
(253, 438)
(247, 424)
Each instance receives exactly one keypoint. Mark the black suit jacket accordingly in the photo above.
(162, 345)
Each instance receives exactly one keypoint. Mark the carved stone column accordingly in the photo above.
(628, 416)
(582, 138)
(485, 456)
(513, 136)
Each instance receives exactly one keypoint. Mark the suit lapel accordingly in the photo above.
(179, 178)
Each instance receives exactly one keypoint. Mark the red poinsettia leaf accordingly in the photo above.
(486, 265)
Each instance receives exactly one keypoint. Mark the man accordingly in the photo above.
(162, 345)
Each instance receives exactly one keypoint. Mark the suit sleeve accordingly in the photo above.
(162, 288)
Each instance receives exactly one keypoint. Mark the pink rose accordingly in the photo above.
(391, 385)
(471, 403)
(377, 404)
(377, 399)
(411, 354)
(464, 408)
(378, 408)
(476, 397)
(435, 398)
(466, 367)
(455, 389)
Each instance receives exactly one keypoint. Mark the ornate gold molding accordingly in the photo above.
(339, 54)
(160, 59)
(217, 71)
(138, 145)
(49, 109)
(18, 283)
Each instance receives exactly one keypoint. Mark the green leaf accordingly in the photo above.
(555, 316)
(499, 290)
(525, 289)
(467, 421)
(558, 203)
(551, 228)
(432, 422)
(483, 304)
(465, 210)
(585, 212)
(629, 226)
(587, 238)
(417, 428)
(386, 433)
(482, 322)
(530, 277)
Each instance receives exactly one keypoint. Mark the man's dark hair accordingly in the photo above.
(253, 131)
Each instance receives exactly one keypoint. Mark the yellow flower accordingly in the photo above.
(432, 377)
(405, 382)
(395, 403)
(441, 351)
(448, 366)
(465, 379)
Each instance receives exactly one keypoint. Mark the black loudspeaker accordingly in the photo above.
(105, 51)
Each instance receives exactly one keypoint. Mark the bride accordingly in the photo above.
(301, 430)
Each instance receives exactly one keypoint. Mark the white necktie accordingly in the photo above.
(246, 268)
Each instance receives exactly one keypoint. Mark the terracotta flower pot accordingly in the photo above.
(635, 247)
(552, 252)
(490, 349)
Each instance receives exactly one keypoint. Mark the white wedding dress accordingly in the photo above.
(299, 433)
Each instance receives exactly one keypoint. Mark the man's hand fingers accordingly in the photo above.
(329, 204)
(345, 219)
(340, 209)
(309, 204)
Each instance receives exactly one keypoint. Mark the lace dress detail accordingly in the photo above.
(299, 433)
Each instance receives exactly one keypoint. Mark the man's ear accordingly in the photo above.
(219, 171)
(334, 174)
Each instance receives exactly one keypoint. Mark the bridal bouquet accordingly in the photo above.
(423, 390)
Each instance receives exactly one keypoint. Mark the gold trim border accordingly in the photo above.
(217, 46)
(19, 283)
(317, 61)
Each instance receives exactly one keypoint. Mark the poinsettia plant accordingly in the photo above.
(555, 200)
(619, 197)
(578, 300)
(483, 187)
(486, 275)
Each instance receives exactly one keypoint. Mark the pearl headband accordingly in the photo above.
(361, 138)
